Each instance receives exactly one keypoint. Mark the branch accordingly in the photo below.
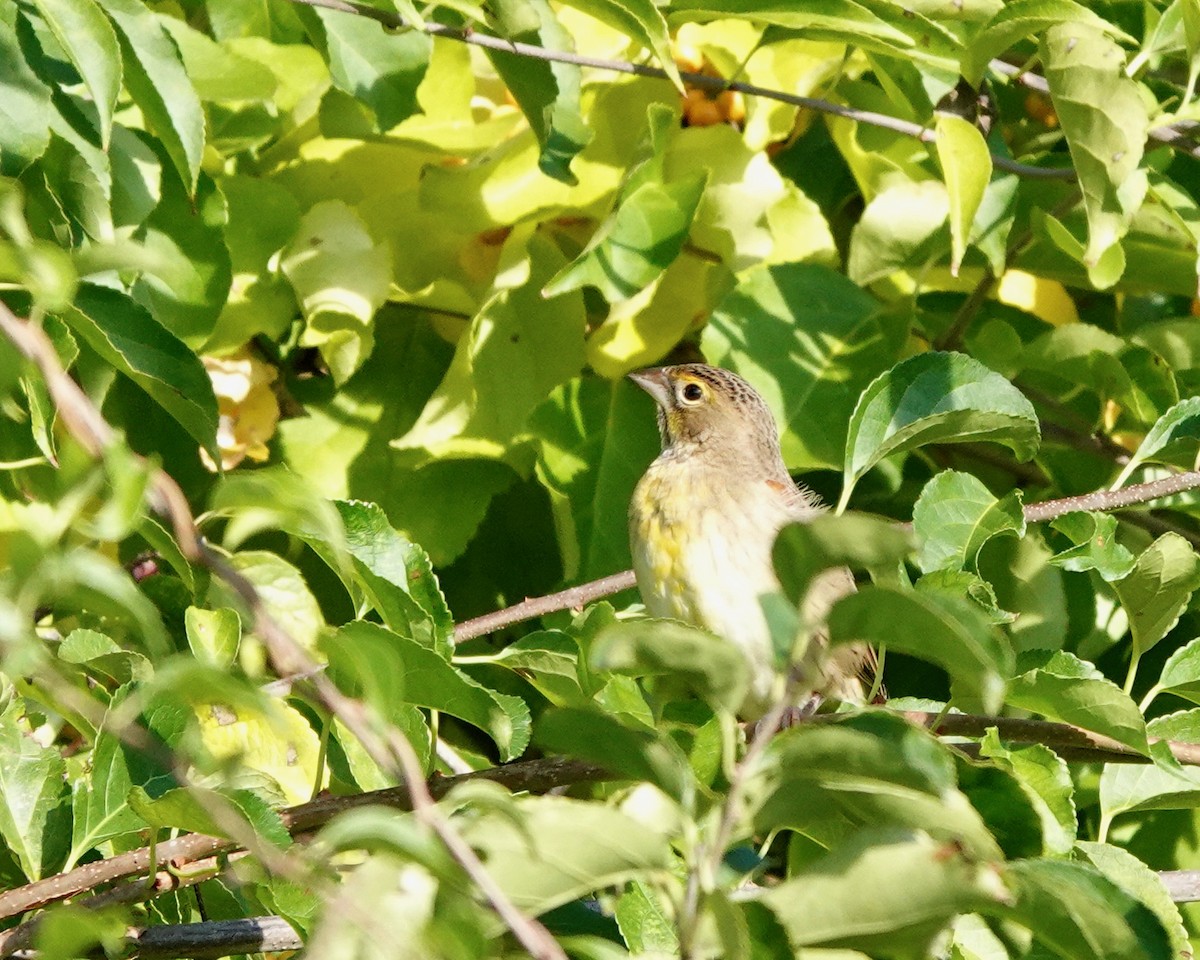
(907, 128)
(1104, 500)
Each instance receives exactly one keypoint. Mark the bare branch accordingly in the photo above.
(905, 127)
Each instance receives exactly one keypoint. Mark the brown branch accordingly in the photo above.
(1113, 499)
(195, 849)
(907, 128)
(569, 599)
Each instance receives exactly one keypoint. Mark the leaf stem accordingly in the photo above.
(1134, 660)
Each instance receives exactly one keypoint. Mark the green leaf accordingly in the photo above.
(187, 274)
(551, 662)
(712, 668)
(1080, 915)
(954, 517)
(1164, 785)
(391, 670)
(600, 738)
(1179, 425)
(1142, 884)
(810, 373)
(967, 167)
(103, 658)
(640, 239)
(952, 633)
(884, 890)
(1105, 122)
(213, 635)
(901, 229)
(33, 799)
(518, 347)
(1062, 687)
(216, 71)
(868, 771)
(547, 92)
(25, 105)
(160, 86)
(1027, 18)
(99, 802)
(283, 592)
(397, 576)
(1158, 589)
(1046, 780)
(547, 851)
(645, 921)
(88, 39)
(1181, 673)
(935, 398)
(640, 20)
(1096, 546)
(381, 69)
(341, 276)
(856, 540)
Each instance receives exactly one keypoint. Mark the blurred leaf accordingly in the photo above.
(867, 772)
(1158, 589)
(967, 168)
(547, 91)
(949, 632)
(1079, 914)
(274, 498)
(390, 670)
(1097, 547)
(712, 668)
(33, 799)
(72, 931)
(645, 922)
(891, 890)
(103, 658)
(127, 337)
(160, 86)
(560, 849)
(634, 754)
(956, 515)
(284, 593)
(216, 71)
(935, 398)
(811, 372)
(860, 541)
(213, 635)
(1105, 122)
(1062, 687)
(1179, 425)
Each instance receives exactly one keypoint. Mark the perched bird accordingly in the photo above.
(703, 521)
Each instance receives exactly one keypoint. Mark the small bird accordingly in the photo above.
(703, 521)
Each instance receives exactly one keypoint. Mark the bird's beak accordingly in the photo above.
(654, 381)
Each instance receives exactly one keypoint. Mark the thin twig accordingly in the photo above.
(569, 599)
(905, 127)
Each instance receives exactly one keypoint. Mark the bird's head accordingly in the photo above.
(708, 409)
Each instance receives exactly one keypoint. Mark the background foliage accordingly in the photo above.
(368, 296)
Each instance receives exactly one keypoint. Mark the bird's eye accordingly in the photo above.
(692, 392)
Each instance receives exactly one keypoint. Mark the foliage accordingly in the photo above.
(369, 295)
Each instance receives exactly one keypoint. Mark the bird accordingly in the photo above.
(703, 521)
